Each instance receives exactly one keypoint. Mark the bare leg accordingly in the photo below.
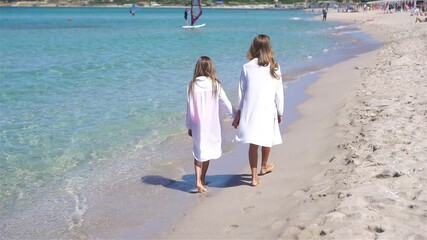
(253, 162)
(266, 168)
(265, 154)
(205, 166)
(198, 170)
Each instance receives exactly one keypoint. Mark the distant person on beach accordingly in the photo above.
(205, 97)
(260, 105)
(186, 16)
(324, 14)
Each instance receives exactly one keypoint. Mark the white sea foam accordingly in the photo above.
(340, 27)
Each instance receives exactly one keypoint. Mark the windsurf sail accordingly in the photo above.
(133, 9)
(196, 11)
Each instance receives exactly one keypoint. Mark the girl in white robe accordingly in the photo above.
(260, 104)
(205, 100)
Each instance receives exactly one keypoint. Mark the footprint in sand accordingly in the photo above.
(292, 232)
(376, 229)
(388, 174)
(232, 227)
(247, 209)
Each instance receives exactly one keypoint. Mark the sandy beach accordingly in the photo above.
(353, 167)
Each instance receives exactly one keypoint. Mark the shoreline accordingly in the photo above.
(325, 183)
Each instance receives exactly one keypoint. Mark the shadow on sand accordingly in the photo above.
(187, 184)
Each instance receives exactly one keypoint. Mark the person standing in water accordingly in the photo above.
(205, 99)
(324, 12)
(260, 105)
(186, 16)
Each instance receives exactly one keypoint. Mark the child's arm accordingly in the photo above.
(188, 117)
(241, 92)
(225, 103)
(279, 97)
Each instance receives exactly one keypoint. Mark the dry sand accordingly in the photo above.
(353, 167)
(374, 186)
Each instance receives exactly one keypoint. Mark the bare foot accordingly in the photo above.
(267, 168)
(201, 189)
(254, 183)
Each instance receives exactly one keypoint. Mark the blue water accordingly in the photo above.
(94, 88)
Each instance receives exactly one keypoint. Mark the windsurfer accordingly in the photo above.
(132, 10)
(186, 16)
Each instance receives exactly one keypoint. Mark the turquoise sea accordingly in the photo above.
(92, 99)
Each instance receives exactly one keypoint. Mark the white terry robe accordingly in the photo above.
(204, 118)
(260, 100)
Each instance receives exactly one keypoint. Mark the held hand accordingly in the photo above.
(279, 118)
(190, 133)
(236, 120)
(235, 123)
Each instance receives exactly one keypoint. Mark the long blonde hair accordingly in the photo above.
(261, 49)
(205, 67)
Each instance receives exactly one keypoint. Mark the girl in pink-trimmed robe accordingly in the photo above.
(260, 107)
(206, 100)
